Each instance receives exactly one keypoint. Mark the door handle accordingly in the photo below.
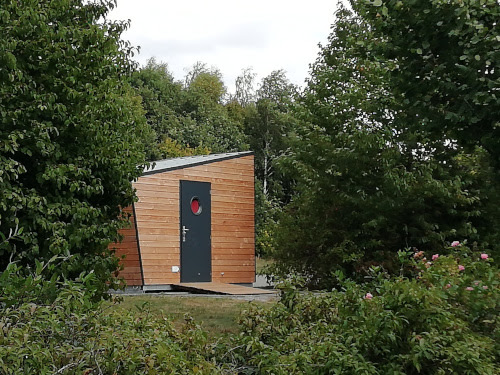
(184, 232)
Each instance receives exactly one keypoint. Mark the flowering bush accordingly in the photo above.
(434, 318)
(439, 320)
(461, 273)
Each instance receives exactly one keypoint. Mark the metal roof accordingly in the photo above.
(190, 161)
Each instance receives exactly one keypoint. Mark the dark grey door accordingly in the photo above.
(196, 261)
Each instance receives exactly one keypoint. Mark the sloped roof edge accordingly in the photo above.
(190, 161)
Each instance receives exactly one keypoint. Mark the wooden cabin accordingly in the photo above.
(194, 222)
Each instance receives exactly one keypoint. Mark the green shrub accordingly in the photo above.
(437, 320)
(438, 317)
(72, 134)
(56, 327)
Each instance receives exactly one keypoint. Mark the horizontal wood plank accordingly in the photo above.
(234, 275)
(151, 219)
(161, 280)
(160, 229)
(159, 245)
(244, 262)
(220, 239)
(166, 269)
(231, 268)
(232, 248)
(171, 256)
(160, 250)
(159, 238)
(164, 262)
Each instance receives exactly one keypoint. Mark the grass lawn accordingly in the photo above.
(217, 316)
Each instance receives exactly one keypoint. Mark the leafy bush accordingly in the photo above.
(439, 319)
(72, 133)
(55, 327)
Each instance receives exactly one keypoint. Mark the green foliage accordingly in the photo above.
(71, 133)
(365, 211)
(244, 83)
(268, 123)
(161, 99)
(439, 319)
(266, 213)
(207, 89)
(215, 129)
(371, 181)
(431, 324)
(170, 148)
(55, 327)
(192, 115)
(447, 65)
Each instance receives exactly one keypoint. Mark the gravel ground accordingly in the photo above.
(260, 282)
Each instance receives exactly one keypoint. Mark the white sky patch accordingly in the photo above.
(230, 35)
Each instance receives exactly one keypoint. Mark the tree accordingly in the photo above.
(245, 93)
(170, 148)
(71, 138)
(269, 124)
(207, 90)
(239, 105)
(197, 69)
(203, 102)
(192, 115)
(367, 185)
(447, 65)
(446, 78)
(162, 100)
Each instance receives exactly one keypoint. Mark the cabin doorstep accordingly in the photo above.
(193, 222)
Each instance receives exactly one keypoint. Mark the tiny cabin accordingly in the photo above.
(193, 222)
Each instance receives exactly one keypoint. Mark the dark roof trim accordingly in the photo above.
(193, 162)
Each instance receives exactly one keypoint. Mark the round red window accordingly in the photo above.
(195, 206)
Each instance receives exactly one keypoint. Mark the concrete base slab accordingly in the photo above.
(157, 288)
(128, 290)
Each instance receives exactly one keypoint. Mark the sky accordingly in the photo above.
(231, 35)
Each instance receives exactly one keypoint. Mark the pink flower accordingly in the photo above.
(484, 256)
(418, 254)
(428, 264)
(461, 268)
(368, 296)
(435, 256)
(476, 283)
(469, 288)
(455, 243)
(447, 286)
(485, 287)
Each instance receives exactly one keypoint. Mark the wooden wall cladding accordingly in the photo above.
(233, 238)
(131, 263)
